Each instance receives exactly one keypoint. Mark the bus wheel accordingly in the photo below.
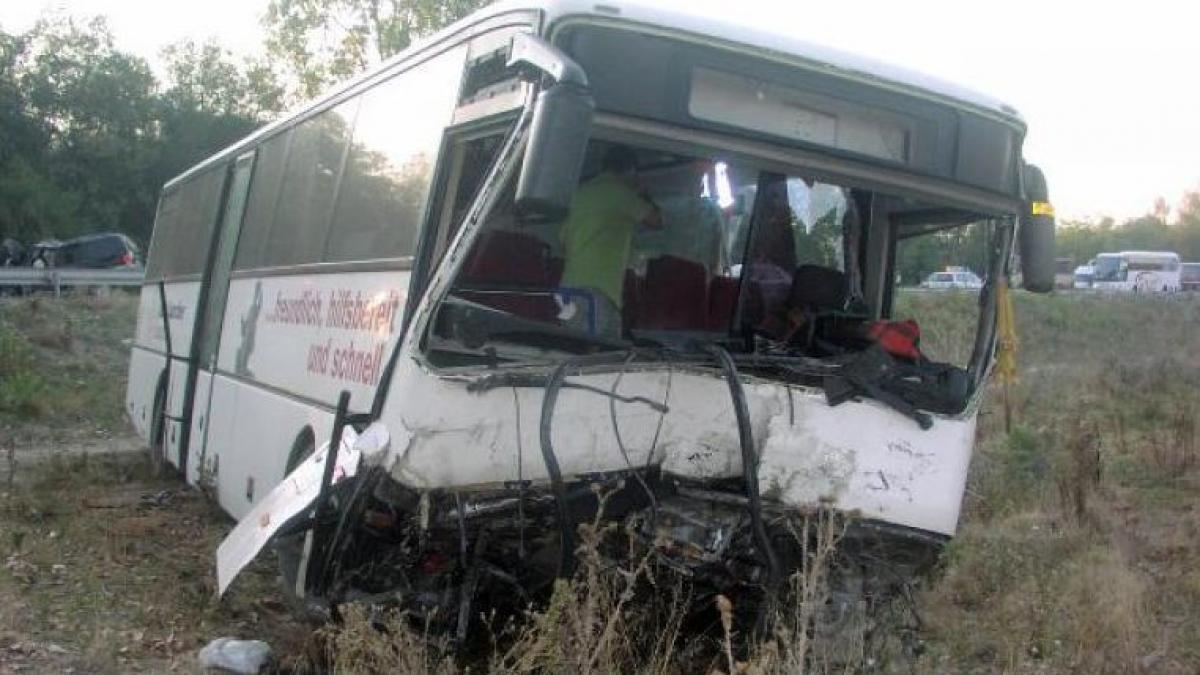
(158, 428)
(289, 549)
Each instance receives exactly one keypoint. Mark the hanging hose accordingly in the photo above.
(749, 467)
(566, 563)
(616, 427)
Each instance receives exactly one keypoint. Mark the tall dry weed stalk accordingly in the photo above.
(806, 634)
(622, 613)
(384, 643)
(586, 628)
(1173, 449)
(1081, 471)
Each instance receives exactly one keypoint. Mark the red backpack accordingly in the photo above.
(901, 339)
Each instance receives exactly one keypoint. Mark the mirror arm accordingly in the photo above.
(529, 52)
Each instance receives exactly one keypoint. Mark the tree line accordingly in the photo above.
(1155, 231)
(89, 134)
(1078, 241)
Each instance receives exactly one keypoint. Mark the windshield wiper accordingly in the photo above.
(473, 325)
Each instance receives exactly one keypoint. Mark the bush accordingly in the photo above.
(25, 395)
(15, 356)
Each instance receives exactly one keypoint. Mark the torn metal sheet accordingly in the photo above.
(291, 496)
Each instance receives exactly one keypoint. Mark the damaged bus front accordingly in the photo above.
(677, 280)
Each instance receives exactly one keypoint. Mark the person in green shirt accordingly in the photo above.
(597, 236)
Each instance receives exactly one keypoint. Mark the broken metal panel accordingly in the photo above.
(865, 457)
(291, 497)
(859, 456)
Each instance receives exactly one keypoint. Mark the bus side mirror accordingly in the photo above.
(558, 134)
(1035, 238)
(558, 138)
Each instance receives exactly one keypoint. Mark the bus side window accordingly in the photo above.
(474, 158)
(183, 230)
(260, 205)
(389, 171)
(305, 205)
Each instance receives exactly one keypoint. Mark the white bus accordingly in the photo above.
(401, 240)
(1137, 272)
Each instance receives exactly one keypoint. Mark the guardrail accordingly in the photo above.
(58, 277)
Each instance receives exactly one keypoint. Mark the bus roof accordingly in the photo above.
(840, 62)
(1141, 254)
(554, 12)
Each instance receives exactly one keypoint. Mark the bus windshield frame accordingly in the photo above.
(448, 308)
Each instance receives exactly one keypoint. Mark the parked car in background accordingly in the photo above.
(12, 253)
(111, 249)
(953, 277)
(1084, 276)
(43, 254)
(1189, 276)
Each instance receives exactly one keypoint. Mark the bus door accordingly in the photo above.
(212, 313)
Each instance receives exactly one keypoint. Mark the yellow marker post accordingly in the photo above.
(1042, 209)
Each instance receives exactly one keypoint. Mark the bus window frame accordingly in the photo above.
(951, 197)
(515, 20)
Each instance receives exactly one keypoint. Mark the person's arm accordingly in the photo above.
(649, 215)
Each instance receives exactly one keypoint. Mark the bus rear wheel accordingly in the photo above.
(289, 549)
(158, 428)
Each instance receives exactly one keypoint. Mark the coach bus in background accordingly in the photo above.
(1189, 276)
(1137, 272)
(397, 246)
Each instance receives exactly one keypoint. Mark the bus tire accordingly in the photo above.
(289, 550)
(158, 428)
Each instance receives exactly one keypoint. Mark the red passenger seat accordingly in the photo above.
(506, 258)
(631, 298)
(722, 302)
(512, 272)
(674, 295)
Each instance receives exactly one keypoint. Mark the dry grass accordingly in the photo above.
(366, 642)
(61, 361)
(1078, 552)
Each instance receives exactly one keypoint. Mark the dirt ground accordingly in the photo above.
(109, 568)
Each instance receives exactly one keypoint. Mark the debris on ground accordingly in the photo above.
(239, 656)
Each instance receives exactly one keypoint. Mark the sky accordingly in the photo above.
(1109, 90)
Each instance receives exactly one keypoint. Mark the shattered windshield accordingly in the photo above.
(656, 242)
(684, 251)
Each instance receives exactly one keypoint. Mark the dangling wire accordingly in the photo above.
(665, 408)
(612, 413)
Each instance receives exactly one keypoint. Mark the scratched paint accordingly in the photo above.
(860, 456)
